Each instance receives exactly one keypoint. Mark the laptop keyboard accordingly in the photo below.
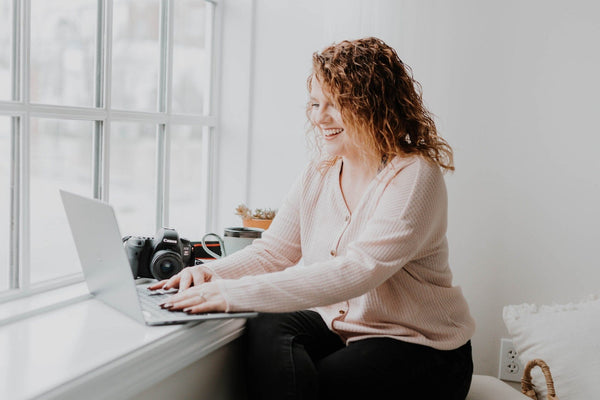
(151, 300)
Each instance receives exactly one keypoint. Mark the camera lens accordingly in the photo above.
(165, 264)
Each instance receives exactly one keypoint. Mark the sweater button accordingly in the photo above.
(342, 312)
(332, 252)
(347, 218)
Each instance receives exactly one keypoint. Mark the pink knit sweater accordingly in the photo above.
(381, 270)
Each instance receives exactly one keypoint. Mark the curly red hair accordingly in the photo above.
(378, 97)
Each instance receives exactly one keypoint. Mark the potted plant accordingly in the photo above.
(257, 218)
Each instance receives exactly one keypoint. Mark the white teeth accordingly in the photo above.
(331, 132)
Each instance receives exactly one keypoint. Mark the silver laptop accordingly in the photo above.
(106, 267)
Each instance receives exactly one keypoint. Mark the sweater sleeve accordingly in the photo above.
(409, 220)
(278, 248)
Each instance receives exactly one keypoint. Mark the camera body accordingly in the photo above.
(158, 257)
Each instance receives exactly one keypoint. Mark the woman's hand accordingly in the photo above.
(190, 276)
(198, 299)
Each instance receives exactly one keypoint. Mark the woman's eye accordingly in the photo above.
(314, 105)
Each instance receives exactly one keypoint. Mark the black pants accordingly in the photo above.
(295, 356)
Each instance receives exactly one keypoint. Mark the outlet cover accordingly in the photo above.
(510, 368)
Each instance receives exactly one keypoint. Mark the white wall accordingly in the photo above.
(514, 86)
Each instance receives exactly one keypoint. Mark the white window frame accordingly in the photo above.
(21, 110)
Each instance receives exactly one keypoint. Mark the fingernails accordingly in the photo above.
(187, 310)
(166, 305)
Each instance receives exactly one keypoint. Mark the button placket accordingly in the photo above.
(333, 252)
(341, 315)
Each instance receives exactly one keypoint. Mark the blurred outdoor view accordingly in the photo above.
(62, 73)
(5, 48)
(62, 52)
(61, 157)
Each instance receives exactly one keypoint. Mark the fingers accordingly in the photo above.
(173, 282)
(188, 277)
(185, 303)
(158, 285)
(185, 279)
(193, 276)
(209, 306)
(198, 299)
(183, 298)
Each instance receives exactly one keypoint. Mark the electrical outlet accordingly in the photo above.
(510, 368)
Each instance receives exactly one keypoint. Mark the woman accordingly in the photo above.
(371, 313)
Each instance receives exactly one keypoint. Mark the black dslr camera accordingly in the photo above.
(159, 257)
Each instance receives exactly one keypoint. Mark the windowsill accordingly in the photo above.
(28, 306)
(85, 349)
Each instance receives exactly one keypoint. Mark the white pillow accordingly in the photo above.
(567, 338)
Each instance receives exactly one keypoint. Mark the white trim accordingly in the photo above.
(161, 175)
(106, 100)
(208, 182)
(16, 52)
(20, 315)
(182, 119)
(41, 287)
(98, 149)
(213, 21)
(15, 204)
(169, 55)
(10, 108)
(100, 114)
(142, 356)
(65, 112)
(149, 364)
(24, 130)
(251, 79)
(234, 95)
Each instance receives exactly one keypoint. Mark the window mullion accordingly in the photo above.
(24, 133)
(106, 99)
(15, 206)
(98, 148)
(14, 264)
(16, 51)
(164, 106)
(208, 142)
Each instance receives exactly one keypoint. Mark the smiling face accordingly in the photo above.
(328, 119)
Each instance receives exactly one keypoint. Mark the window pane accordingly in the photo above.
(132, 177)
(5, 147)
(135, 55)
(62, 51)
(5, 48)
(186, 212)
(190, 62)
(61, 158)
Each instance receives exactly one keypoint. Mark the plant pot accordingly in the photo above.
(257, 223)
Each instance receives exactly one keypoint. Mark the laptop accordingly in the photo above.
(106, 268)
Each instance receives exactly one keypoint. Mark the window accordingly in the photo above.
(5, 150)
(130, 191)
(5, 48)
(62, 52)
(60, 154)
(110, 99)
(135, 54)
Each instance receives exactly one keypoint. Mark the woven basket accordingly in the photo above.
(527, 386)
